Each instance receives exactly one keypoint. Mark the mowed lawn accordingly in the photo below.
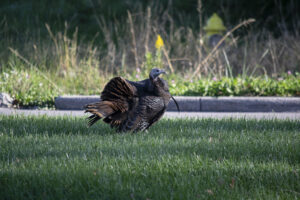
(60, 158)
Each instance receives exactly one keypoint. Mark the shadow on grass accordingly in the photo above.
(147, 182)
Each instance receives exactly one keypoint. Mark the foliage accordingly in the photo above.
(60, 37)
(28, 88)
(56, 12)
(60, 54)
(59, 158)
(286, 85)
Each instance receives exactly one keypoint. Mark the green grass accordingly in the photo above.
(59, 158)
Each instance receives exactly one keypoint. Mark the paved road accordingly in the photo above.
(217, 115)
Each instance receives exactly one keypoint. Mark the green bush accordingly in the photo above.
(28, 88)
(286, 85)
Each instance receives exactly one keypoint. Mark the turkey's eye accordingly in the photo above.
(157, 70)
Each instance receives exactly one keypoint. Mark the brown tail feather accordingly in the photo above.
(93, 119)
(99, 110)
(117, 88)
(102, 109)
(114, 102)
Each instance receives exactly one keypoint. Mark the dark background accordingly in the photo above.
(19, 15)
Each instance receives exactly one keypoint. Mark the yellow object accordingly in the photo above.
(159, 42)
(214, 25)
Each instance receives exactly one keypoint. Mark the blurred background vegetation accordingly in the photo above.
(272, 15)
(74, 47)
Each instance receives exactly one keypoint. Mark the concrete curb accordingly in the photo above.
(202, 104)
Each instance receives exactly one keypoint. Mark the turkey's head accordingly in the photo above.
(155, 72)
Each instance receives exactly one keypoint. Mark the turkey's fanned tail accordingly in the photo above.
(115, 100)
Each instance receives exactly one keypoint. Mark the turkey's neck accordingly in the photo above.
(158, 87)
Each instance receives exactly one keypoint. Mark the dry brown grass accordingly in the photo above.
(125, 48)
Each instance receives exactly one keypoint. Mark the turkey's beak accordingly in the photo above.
(162, 71)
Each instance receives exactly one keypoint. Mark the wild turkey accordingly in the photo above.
(132, 106)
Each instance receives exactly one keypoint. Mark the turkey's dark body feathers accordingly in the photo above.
(131, 106)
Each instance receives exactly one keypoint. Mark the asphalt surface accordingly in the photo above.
(216, 115)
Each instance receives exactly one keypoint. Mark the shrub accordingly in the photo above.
(28, 88)
(286, 85)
